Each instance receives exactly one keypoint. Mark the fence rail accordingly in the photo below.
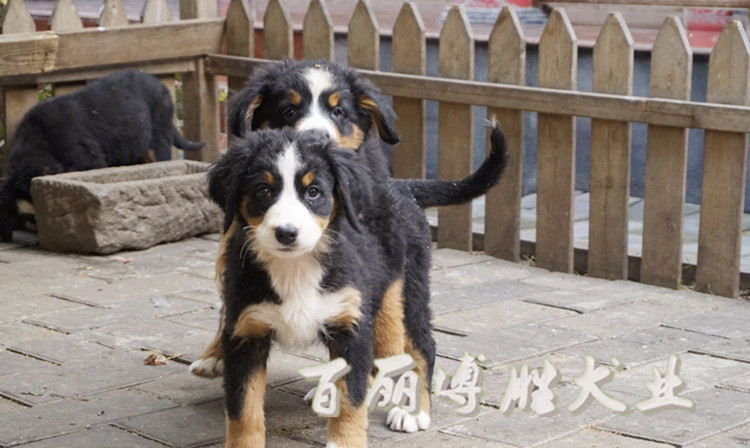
(192, 47)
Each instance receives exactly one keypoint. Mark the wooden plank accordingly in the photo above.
(363, 41)
(724, 169)
(240, 36)
(193, 9)
(113, 14)
(87, 74)
(155, 12)
(16, 19)
(278, 39)
(556, 145)
(455, 136)
(409, 56)
(666, 162)
(609, 181)
(139, 43)
(200, 96)
(507, 65)
(65, 17)
(655, 111)
(18, 100)
(317, 32)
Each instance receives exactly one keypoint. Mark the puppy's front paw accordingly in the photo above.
(208, 367)
(400, 420)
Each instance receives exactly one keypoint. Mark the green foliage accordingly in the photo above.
(46, 92)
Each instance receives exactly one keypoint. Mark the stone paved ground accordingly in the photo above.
(75, 330)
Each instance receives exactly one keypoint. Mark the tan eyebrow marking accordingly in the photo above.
(294, 97)
(268, 177)
(334, 99)
(308, 178)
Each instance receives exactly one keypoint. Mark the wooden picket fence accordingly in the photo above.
(193, 46)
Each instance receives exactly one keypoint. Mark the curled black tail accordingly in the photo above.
(438, 193)
(181, 142)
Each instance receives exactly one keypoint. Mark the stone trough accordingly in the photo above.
(133, 207)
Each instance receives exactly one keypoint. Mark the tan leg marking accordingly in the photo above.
(351, 301)
(149, 157)
(249, 431)
(389, 323)
(349, 429)
(424, 392)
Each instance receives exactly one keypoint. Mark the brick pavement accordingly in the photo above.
(75, 330)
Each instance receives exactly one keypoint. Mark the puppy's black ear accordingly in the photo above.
(224, 180)
(382, 115)
(354, 184)
(241, 108)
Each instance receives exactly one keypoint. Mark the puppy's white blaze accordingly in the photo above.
(318, 81)
(288, 210)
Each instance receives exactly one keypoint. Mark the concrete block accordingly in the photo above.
(134, 207)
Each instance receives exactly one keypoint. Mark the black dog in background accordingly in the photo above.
(122, 119)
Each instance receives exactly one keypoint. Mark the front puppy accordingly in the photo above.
(298, 268)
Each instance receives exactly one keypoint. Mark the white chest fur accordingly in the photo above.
(304, 306)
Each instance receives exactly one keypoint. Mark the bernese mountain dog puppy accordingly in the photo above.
(316, 249)
(122, 119)
(336, 100)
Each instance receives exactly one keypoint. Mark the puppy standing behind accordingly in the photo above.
(121, 119)
(316, 250)
(336, 100)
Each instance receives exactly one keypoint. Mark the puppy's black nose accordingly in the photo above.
(286, 234)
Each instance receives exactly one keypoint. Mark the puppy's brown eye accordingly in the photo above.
(312, 193)
(263, 192)
(337, 112)
(290, 113)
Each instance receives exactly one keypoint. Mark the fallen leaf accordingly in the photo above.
(156, 358)
(121, 259)
(36, 393)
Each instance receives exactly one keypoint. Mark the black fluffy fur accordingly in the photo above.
(373, 229)
(113, 121)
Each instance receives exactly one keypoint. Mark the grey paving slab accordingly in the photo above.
(54, 383)
(150, 287)
(444, 258)
(11, 363)
(60, 348)
(736, 437)
(21, 279)
(716, 410)
(99, 436)
(696, 371)
(589, 299)
(620, 319)
(185, 426)
(208, 295)
(523, 429)
(17, 332)
(559, 280)
(205, 318)
(489, 317)
(74, 414)
(184, 388)
(601, 439)
(737, 383)
(19, 307)
(7, 406)
(641, 347)
(510, 344)
(736, 349)
(437, 439)
(191, 256)
(729, 322)
(482, 272)
(444, 299)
